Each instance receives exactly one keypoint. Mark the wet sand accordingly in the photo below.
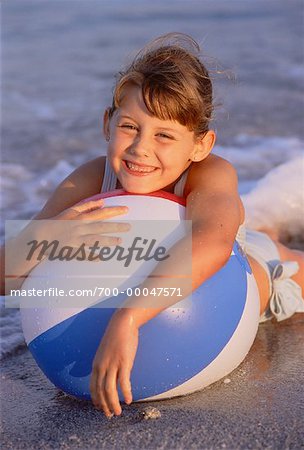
(259, 405)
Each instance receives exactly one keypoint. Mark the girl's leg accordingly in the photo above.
(286, 254)
(262, 282)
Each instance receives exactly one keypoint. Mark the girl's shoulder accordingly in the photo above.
(82, 183)
(211, 172)
(214, 176)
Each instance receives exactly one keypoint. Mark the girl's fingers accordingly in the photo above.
(102, 227)
(97, 395)
(103, 241)
(94, 387)
(125, 385)
(104, 213)
(110, 392)
(88, 206)
(88, 248)
(93, 209)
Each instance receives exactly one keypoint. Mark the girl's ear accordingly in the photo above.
(203, 146)
(106, 124)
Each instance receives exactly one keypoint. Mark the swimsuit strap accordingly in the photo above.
(109, 178)
(180, 185)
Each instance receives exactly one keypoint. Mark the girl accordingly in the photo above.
(158, 137)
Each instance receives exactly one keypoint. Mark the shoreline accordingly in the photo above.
(250, 408)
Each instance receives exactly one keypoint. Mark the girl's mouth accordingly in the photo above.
(136, 169)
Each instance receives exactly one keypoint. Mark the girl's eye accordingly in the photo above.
(128, 126)
(162, 135)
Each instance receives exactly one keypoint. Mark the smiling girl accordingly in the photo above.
(158, 136)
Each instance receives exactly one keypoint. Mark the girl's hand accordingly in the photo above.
(86, 225)
(113, 362)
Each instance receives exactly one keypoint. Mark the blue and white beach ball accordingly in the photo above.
(182, 350)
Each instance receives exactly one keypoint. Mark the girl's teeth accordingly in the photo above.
(136, 168)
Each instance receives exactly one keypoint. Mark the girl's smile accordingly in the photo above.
(138, 169)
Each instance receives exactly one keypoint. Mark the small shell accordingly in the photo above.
(149, 412)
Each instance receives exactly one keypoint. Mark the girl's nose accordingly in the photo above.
(141, 147)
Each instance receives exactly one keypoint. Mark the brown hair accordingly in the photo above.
(175, 83)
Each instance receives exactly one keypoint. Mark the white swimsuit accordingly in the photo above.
(285, 296)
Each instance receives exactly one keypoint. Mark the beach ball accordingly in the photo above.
(185, 348)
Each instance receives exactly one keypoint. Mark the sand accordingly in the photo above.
(259, 405)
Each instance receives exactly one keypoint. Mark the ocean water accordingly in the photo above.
(58, 64)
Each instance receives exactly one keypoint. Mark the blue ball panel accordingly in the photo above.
(170, 352)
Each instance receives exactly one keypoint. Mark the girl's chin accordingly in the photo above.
(139, 186)
(144, 188)
(133, 190)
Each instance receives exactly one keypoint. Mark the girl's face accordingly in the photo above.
(148, 154)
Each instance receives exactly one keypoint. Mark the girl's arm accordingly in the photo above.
(213, 205)
(82, 183)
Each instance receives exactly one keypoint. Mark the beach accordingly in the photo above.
(259, 405)
(58, 65)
